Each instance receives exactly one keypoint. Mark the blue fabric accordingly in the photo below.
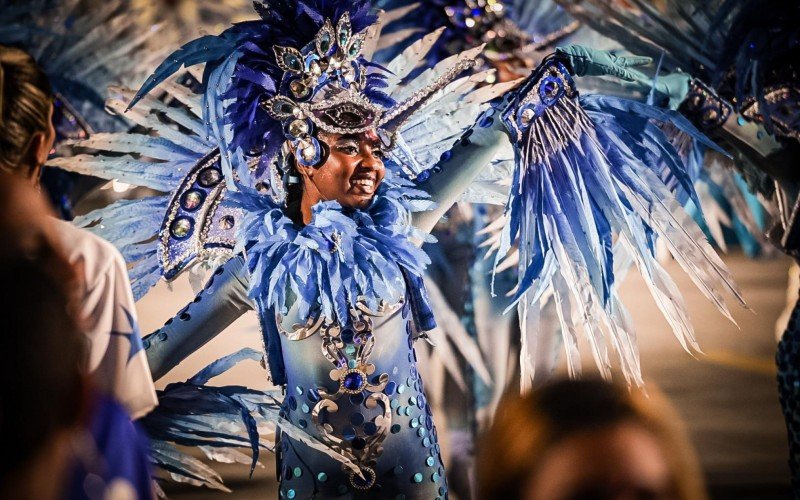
(122, 455)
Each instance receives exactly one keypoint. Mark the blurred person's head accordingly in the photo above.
(587, 440)
(26, 109)
(42, 349)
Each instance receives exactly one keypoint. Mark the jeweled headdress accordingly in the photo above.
(298, 70)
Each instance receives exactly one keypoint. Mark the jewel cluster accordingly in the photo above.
(330, 61)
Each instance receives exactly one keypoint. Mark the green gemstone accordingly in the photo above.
(417, 477)
(325, 42)
(297, 471)
(322, 477)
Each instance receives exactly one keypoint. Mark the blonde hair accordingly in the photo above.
(25, 102)
(526, 428)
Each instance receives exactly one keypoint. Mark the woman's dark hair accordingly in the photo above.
(25, 102)
(293, 187)
(526, 428)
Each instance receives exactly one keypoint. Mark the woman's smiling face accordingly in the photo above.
(351, 173)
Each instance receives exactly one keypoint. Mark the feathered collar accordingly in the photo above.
(343, 256)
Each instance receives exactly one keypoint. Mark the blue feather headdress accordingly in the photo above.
(294, 72)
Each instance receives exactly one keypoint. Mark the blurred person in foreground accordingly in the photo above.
(59, 438)
(116, 358)
(588, 440)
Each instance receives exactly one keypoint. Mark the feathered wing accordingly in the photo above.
(219, 421)
(589, 174)
(159, 158)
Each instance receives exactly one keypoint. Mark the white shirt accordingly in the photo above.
(117, 360)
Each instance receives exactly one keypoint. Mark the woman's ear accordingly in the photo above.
(36, 154)
(306, 172)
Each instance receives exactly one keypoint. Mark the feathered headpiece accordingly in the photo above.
(296, 71)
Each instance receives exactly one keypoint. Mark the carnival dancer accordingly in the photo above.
(317, 173)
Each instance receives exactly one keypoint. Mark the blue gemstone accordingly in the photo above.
(291, 61)
(395, 428)
(423, 176)
(741, 121)
(359, 443)
(353, 381)
(356, 419)
(430, 461)
(417, 477)
(401, 389)
(302, 423)
(349, 433)
(322, 477)
(370, 428)
(297, 471)
(290, 494)
(357, 399)
(486, 122)
(446, 155)
(389, 389)
(312, 395)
